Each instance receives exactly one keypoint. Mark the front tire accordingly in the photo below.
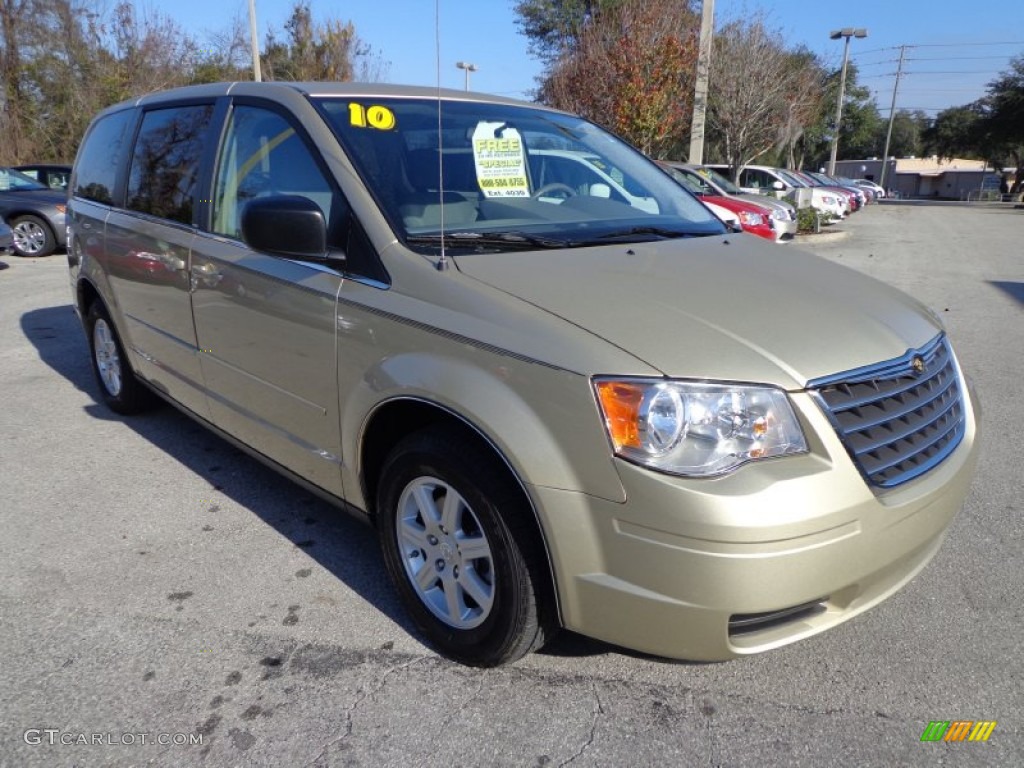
(121, 390)
(32, 236)
(461, 547)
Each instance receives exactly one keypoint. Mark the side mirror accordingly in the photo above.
(778, 186)
(285, 225)
(600, 190)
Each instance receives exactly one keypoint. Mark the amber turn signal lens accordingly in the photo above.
(620, 402)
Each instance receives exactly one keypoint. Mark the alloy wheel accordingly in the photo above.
(29, 237)
(108, 361)
(446, 555)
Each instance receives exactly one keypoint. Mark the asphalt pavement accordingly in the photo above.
(165, 600)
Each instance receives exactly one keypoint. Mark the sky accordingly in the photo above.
(954, 47)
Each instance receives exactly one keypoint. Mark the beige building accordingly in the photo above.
(926, 177)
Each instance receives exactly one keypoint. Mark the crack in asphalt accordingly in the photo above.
(362, 695)
(465, 705)
(596, 715)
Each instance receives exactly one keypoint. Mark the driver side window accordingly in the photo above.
(263, 155)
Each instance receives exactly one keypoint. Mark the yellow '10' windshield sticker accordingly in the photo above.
(500, 160)
(381, 118)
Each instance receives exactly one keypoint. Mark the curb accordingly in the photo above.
(822, 237)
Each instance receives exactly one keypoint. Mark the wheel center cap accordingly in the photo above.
(447, 552)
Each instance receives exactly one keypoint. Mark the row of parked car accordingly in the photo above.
(765, 201)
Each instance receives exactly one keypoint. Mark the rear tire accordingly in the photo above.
(460, 544)
(121, 390)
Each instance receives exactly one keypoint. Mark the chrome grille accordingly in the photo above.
(896, 420)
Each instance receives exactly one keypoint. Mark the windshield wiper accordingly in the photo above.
(517, 240)
(655, 232)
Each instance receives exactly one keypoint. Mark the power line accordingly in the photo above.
(920, 73)
(961, 45)
(954, 58)
(952, 72)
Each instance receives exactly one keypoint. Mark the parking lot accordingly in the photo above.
(166, 600)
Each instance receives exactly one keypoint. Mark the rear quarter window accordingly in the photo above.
(96, 167)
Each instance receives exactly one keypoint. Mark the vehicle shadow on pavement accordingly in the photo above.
(1015, 290)
(340, 543)
(343, 545)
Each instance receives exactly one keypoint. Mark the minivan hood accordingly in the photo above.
(724, 307)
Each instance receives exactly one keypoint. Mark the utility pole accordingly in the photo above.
(892, 116)
(700, 91)
(254, 42)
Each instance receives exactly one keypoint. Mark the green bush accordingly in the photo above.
(811, 219)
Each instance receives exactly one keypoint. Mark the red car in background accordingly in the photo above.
(755, 219)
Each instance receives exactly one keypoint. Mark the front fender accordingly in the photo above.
(543, 421)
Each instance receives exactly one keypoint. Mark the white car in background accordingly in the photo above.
(728, 217)
(878, 189)
(833, 201)
(765, 180)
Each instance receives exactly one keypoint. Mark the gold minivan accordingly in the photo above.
(562, 401)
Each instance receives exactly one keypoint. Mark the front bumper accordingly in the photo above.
(785, 229)
(667, 571)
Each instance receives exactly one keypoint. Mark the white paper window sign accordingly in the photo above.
(500, 159)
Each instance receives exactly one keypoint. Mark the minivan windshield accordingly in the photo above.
(491, 176)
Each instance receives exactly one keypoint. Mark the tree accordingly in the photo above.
(312, 50)
(225, 57)
(991, 128)
(862, 133)
(554, 27)
(62, 61)
(759, 94)
(805, 108)
(633, 72)
(955, 132)
(907, 130)
(1004, 118)
(15, 28)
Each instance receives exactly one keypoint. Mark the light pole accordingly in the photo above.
(846, 32)
(468, 67)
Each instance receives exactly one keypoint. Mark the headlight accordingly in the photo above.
(751, 219)
(779, 214)
(695, 429)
